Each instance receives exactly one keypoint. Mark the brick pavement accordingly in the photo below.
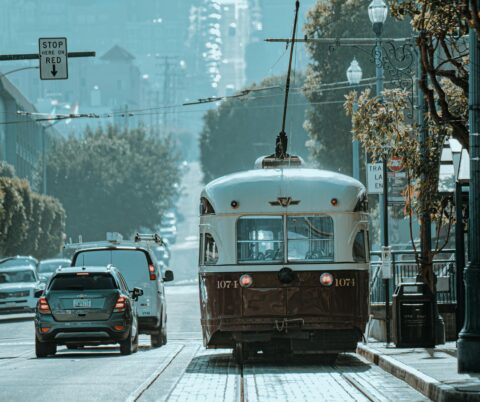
(213, 376)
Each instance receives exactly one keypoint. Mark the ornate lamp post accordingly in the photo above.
(354, 76)
(377, 12)
(469, 338)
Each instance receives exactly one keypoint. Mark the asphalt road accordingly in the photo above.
(182, 370)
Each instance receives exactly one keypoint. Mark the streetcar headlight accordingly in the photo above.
(326, 279)
(246, 281)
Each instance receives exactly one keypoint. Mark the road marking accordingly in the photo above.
(150, 380)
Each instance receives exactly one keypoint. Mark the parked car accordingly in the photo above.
(169, 219)
(19, 261)
(47, 267)
(169, 233)
(17, 289)
(86, 306)
(138, 264)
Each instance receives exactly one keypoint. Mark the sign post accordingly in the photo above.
(53, 58)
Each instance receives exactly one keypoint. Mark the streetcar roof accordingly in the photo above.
(269, 190)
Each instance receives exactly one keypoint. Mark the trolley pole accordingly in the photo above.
(469, 338)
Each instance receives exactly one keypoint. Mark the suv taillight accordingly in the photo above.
(43, 306)
(151, 271)
(120, 305)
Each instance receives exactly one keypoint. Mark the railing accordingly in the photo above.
(405, 269)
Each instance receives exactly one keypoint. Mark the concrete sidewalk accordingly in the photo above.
(4, 318)
(433, 372)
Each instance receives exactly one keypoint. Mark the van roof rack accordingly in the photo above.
(155, 237)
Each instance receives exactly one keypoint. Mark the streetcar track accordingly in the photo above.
(241, 385)
(142, 388)
(357, 386)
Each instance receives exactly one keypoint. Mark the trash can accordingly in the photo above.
(413, 320)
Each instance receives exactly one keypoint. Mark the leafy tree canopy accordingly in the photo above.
(329, 130)
(113, 180)
(241, 129)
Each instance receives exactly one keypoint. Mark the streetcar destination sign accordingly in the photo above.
(53, 58)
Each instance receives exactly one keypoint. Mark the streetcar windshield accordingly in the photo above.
(310, 238)
(260, 239)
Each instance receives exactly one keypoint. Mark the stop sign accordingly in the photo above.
(395, 164)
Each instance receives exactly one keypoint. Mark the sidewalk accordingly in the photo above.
(433, 372)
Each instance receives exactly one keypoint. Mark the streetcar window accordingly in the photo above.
(362, 203)
(359, 254)
(210, 255)
(200, 251)
(310, 238)
(260, 239)
(205, 207)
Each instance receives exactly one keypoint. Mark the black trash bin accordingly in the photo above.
(413, 320)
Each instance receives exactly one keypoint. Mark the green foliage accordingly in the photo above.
(329, 130)
(27, 218)
(241, 129)
(6, 170)
(113, 180)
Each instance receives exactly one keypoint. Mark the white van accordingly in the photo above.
(140, 268)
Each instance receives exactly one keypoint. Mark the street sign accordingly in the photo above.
(375, 178)
(395, 164)
(387, 262)
(53, 58)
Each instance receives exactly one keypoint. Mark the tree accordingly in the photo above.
(329, 130)
(441, 28)
(30, 223)
(113, 180)
(241, 129)
(385, 131)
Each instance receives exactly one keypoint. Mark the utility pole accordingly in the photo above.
(469, 338)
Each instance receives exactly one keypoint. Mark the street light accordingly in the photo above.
(377, 12)
(354, 73)
(354, 76)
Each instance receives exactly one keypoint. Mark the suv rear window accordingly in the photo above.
(133, 264)
(91, 281)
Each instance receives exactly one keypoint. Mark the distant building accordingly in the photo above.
(23, 140)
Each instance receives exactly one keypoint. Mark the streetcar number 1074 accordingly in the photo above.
(227, 284)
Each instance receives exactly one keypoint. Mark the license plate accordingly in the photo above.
(82, 303)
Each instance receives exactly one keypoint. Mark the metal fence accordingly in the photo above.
(405, 269)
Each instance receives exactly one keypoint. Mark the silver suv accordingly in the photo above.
(137, 262)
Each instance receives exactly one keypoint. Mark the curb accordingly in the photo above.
(16, 318)
(428, 386)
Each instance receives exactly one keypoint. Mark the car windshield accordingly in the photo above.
(49, 267)
(17, 276)
(83, 281)
(133, 264)
(15, 262)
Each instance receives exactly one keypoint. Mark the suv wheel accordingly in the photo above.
(127, 346)
(43, 349)
(159, 338)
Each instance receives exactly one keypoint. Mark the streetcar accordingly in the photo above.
(283, 261)
(283, 256)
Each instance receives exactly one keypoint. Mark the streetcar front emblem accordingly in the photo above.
(284, 202)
